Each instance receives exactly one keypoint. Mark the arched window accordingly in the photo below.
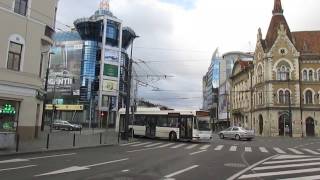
(281, 97)
(287, 97)
(283, 73)
(310, 75)
(308, 97)
(319, 74)
(305, 75)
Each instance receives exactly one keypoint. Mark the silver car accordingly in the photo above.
(237, 133)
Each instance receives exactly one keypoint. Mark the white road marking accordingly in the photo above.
(33, 158)
(235, 176)
(145, 149)
(191, 146)
(204, 147)
(285, 166)
(197, 152)
(151, 145)
(126, 170)
(278, 150)
(218, 148)
(177, 146)
(130, 143)
(292, 161)
(310, 151)
(278, 173)
(295, 151)
(181, 171)
(21, 167)
(291, 157)
(263, 149)
(141, 144)
(166, 145)
(304, 178)
(233, 148)
(79, 168)
(248, 149)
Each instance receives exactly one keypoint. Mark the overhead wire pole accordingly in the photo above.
(128, 89)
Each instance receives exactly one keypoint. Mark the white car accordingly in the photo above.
(237, 133)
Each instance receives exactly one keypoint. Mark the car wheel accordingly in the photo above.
(172, 136)
(221, 136)
(237, 137)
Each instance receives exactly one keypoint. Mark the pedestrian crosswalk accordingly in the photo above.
(286, 167)
(217, 147)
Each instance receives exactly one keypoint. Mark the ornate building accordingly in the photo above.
(286, 80)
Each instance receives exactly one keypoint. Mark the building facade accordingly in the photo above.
(25, 40)
(285, 80)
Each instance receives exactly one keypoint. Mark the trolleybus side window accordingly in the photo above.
(139, 120)
(173, 122)
(162, 121)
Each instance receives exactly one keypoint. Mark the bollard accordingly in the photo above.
(17, 142)
(48, 139)
(100, 138)
(74, 139)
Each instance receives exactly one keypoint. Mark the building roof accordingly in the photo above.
(307, 41)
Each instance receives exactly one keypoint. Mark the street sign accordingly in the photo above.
(65, 107)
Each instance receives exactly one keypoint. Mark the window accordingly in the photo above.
(162, 121)
(139, 120)
(310, 75)
(260, 74)
(14, 56)
(281, 97)
(308, 97)
(287, 97)
(40, 69)
(260, 98)
(235, 129)
(21, 7)
(173, 122)
(283, 73)
(305, 75)
(319, 74)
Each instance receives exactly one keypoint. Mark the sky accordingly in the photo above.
(178, 37)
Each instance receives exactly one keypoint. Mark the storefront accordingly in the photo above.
(9, 112)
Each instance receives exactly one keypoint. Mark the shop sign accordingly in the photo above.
(110, 70)
(65, 107)
(109, 86)
(8, 109)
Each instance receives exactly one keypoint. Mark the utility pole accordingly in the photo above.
(290, 110)
(46, 91)
(128, 89)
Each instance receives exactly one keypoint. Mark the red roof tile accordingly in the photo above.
(307, 41)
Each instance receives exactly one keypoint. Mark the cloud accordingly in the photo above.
(183, 36)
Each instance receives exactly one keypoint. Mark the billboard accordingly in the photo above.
(110, 70)
(111, 56)
(109, 86)
(223, 101)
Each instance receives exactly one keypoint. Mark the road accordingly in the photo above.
(146, 159)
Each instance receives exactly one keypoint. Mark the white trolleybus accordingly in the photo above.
(168, 124)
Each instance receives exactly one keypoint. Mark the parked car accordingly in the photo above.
(237, 133)
(65, 125)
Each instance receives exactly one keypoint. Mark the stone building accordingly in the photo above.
(286, 80)
(25, 40)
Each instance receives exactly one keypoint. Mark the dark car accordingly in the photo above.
(65, 125)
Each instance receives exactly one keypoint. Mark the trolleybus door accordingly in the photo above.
(185, 126)
(151, 123)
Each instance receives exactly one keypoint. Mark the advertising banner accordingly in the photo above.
(110, 70)
(109, 86)
(111, 56)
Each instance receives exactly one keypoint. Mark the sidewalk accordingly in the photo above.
(59, 140)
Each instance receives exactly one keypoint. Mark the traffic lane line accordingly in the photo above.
(292, 161)
(20, 167)
(285, 166)
(197, 152)
(181, 171)
(34, 158)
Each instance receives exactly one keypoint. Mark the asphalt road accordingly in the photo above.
(262, 158)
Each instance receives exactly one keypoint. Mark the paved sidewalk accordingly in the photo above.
(66, 140)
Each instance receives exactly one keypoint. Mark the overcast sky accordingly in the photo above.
(181, 35)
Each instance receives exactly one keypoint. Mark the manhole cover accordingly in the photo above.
(235, 165)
